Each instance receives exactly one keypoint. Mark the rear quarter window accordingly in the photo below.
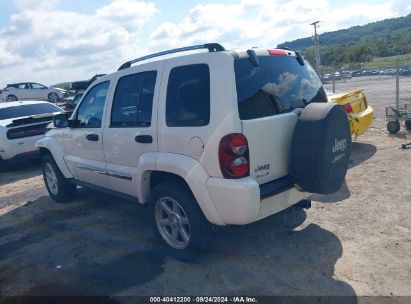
(278, 85)
(188, 96)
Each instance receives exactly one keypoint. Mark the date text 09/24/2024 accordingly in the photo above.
(204, 299)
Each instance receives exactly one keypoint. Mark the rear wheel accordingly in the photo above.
(11, 98)
(178, 222)
(408, 124)
(393, 126)
(59, 188)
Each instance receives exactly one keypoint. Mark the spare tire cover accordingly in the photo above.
(321, 148)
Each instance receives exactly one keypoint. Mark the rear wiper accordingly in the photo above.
(300, 58)
(253, 58)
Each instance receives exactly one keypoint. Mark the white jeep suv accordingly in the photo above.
(202, 135)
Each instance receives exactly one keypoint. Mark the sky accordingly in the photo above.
(54, 41)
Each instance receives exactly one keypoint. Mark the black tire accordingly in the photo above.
(321, 148)
(53, 97)
(4, 166)
(393, 126)
(198, 227)
(11, 98)
(408, 125)
(63, 190)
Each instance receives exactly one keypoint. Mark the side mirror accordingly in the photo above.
(61, 121)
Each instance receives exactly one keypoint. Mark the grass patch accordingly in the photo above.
(388, 62)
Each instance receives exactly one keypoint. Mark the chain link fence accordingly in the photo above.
(384, 87)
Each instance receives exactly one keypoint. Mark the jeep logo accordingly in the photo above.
(339, 145)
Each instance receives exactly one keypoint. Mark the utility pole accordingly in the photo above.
(316, 47)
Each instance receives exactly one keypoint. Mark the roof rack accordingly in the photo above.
(212, 47)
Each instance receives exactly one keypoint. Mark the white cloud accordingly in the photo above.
(128, 12)
(42, 41)
(267, 22)
(256, 23)
(30, 4)
(46, 44)
(7, 58)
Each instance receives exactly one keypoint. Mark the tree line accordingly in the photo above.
(359, 44)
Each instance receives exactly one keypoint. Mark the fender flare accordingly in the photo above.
(184, 166)
(56, 151)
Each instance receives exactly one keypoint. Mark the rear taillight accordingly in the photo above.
(347, 107)
(234, 156)
(26, 131)
(277, 52)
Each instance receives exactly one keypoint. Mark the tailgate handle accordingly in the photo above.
(92, 137)
(144, 139)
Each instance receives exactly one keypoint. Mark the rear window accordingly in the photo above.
(278, 85)
(27, 110)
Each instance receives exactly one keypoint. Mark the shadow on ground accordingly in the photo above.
(100, 245)
(360, 152)
(21, 171)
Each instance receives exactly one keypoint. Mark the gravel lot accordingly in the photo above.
(355, 242)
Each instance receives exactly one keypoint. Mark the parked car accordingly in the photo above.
(356, 73)
(21, 125)
(72, 103)
(326, 78)
(218, 137)
(32, 91)
(82, 85)
(347, 74)
(360, 113)
(337, 76)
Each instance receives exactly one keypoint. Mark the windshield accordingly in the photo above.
(27, 110)
(278, 85)
(76, 99)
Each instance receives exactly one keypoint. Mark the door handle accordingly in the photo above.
(144, 139)
(92, 137)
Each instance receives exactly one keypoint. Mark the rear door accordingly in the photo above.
(84, 140)
(268, 96)
(131, 129)
(23, 91)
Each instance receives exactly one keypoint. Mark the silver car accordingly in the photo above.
(32, 91)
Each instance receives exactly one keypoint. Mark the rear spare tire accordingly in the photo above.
(321, 148)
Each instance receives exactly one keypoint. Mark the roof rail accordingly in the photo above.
(212, 47)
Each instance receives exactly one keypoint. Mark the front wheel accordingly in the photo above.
(178, 221)
(59, 188)
(393, 126)
(53, 97)
(408, 125)
(3, 166)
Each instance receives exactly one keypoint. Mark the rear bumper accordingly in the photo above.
(360, 122)
(243, 201)
(17, 149)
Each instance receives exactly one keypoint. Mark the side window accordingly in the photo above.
(188, 96)
(133, 100)
(90, 112)
(37, 86)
